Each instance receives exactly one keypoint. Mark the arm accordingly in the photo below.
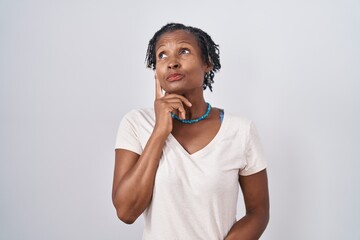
(134, 174)
(256, 198)
(134, 177)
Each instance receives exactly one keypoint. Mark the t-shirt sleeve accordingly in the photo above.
(127, 135)
(254, 154)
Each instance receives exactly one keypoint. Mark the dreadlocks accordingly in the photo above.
(209, 50)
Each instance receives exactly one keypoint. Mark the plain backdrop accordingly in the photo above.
(69, 71)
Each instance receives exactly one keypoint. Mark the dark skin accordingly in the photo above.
(180, 72)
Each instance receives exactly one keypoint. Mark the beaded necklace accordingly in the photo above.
(191, 121)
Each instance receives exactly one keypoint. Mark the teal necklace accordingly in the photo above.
(191, 121)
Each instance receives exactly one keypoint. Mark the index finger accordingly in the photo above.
(158, 91)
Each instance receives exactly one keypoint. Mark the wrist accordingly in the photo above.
(159, 133)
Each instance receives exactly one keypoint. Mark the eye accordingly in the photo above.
(184, 51)
(162, 55)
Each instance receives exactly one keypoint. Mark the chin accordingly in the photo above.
(175, 90)
(173, 86)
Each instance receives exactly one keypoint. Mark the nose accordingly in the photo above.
(173, 63)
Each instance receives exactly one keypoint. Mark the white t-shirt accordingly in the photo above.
(195, 195)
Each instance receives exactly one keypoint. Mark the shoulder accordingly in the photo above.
(240, 126)
(236, 121)
(139, 118)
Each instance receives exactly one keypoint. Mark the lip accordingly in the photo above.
(174, 77)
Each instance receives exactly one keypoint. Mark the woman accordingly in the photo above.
(180, 163)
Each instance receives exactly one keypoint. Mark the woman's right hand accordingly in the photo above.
(163, 105)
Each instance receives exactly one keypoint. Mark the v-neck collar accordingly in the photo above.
(201, 152)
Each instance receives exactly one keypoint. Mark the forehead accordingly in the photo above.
(177, 36)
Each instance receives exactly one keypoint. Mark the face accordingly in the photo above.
(179, 65)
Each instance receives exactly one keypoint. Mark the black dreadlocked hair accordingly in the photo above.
(209, 50)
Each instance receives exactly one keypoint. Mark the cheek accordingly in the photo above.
(161, 70)
(160, 74)
(200, 72)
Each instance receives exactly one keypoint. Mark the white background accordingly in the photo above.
(69, 71)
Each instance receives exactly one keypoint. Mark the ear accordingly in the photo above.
(208, 67)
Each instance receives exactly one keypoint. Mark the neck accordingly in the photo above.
(198, 107)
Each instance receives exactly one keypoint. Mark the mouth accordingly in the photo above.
(174, 77)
